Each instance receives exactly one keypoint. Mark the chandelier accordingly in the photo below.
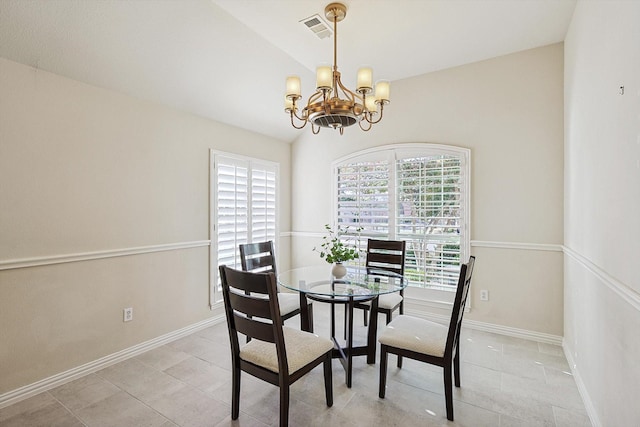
(332, 105)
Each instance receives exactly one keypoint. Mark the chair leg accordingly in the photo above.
(345, 321)
(328, 380)
(456, 369)
(448, 392)
(399, 362)
(235, 394)
(364, 315)
(284, 406)
(310, 318)
(383, 371)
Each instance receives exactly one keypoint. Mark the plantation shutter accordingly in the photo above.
(245, 208)
(429, 212)
(263, 204)
(363, 199)
(232, 228)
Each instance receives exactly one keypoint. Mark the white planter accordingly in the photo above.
(339, 270)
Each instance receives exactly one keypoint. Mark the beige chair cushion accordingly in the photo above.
(419, 335)
(288, 302)
(388, 301)
(302, 348)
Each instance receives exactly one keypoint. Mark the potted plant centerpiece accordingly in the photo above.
(336, 251)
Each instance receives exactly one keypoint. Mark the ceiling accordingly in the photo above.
(228, 59)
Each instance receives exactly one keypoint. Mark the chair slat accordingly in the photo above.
(391, 245)
(250, 305)
(263, 263)
(254, 328)
(249, 284)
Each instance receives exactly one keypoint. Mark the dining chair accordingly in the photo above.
(387, 255)
(276, 354)
(260, 257)
(429, 342)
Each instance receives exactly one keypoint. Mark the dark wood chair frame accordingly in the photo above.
(391, 258)
(260, 257)
(259, 318)
(451, 357)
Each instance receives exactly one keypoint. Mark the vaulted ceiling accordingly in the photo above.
(228, 59)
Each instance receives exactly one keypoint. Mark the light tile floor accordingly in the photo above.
(505, 382)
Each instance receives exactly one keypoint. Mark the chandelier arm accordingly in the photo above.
(313, 129)
(367, 120)
(373, 122)
(315, 96)
(345, 91)
(294, 113)
(304, 122)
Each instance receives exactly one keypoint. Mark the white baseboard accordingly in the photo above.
(30, 390)
(490, 327)
(582, 389)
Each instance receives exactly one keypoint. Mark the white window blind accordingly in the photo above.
(429, 216)
(232, 205)
(412, 192)
(263, 204)
(363, 196)
(244, 208)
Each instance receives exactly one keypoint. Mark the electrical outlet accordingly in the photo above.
(127, 314)
(484, 295)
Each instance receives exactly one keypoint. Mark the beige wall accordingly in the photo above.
(509, 112)
(85, 170)
(602, 207)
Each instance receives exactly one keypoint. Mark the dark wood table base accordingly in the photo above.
(347, 352)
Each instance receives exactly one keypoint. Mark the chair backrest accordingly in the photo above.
(462, 293)
(386, 255)
(250, 313)
(258, 257)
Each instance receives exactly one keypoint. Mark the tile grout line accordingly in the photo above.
(68, 409)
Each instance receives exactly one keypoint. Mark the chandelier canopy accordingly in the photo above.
(332, 105)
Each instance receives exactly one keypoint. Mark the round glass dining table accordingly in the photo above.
(359, 284)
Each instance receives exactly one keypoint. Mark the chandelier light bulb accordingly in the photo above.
(382, 91)
(370, 103)
(365, 80)
(293, 87)
(324, 77)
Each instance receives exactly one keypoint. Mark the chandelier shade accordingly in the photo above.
(333, 105)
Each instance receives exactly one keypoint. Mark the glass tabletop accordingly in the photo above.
(358, 282)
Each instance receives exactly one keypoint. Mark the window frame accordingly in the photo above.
(391, 153)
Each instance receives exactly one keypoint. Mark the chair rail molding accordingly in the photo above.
(623, 291)
(86, 256)
(474, 243)
(517, 245)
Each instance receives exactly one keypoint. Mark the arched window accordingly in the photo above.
(413, 192)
